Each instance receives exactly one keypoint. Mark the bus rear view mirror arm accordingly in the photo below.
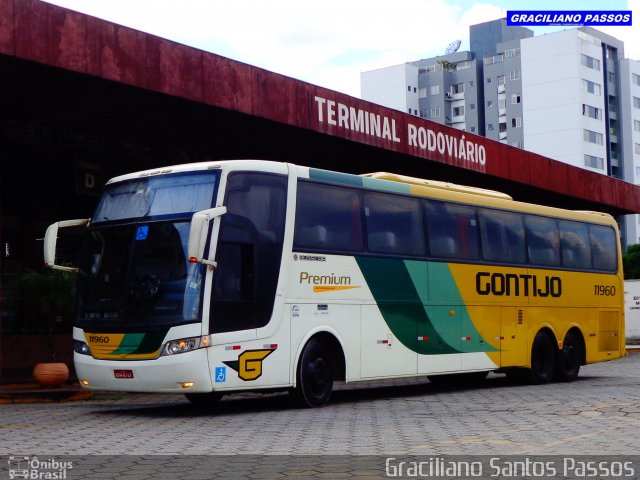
(199, 232)
(51, 239)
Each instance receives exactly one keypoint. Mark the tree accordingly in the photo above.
(631, 262)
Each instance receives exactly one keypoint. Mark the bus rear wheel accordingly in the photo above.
(543, 358)
(570, 358)
(314, 376)
(204, 399)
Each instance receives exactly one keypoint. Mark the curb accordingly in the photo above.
(30, 393)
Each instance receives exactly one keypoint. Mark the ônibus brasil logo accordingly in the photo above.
(34, 468)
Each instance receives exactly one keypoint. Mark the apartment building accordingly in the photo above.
(568, 95)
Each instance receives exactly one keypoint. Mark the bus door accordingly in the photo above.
(248, 261)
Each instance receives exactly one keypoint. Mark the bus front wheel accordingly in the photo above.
(314, 376)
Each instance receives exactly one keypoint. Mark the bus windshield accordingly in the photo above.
(135, 273)
(157, 196)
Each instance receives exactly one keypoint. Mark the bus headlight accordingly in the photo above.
(81, 347)
(184, 345)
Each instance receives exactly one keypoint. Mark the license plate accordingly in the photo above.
(123, 373)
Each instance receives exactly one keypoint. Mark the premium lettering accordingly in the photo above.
(332, 279)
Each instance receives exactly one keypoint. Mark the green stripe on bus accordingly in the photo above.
(401, 306)
(151, 342)
(335, 177)
(443, 289)
(140, 343)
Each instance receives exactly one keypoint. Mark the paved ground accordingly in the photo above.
(597, 415)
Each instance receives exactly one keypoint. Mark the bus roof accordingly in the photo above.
(438, 184)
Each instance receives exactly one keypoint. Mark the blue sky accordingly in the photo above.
(329, 43)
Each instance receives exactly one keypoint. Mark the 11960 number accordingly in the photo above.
(604, 290)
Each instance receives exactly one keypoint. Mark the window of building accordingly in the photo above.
(636, 102)
(472, 106)
(434, 89)
(458, 111)
(594, 162)
(637, 148)
(514, 74)
(500, 79)
(591, 112)
(457, 88)
(471, 83)
(502, 127)
(472, 129)
(490, 126)
(590, 62)
(511, 53)
(516, 122)
(636, 125)
(593, 137)
(408, 88)
(517, 144)
(515, 98)
(422, 92)
(435, 112)
(635, 79)
(591, 87)
(489, 103)
(489, 80)
(502, 103)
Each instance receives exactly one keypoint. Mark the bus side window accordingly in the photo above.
(603, 247)
(452, 230)
(574, 244)
(502, 235)
(543, 242)
(328, 218)
(394, 224)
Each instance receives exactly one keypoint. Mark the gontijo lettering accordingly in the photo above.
(511, 284)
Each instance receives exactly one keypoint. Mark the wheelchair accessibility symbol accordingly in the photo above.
(221, 374)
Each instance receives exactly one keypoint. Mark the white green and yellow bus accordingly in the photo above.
(247, 275)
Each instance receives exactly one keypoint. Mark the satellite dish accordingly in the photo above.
(453, 47)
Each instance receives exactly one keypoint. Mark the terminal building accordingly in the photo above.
(84, 100)
(569, 95)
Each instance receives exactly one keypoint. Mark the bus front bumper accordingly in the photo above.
(181, 373)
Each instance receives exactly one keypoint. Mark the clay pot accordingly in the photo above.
(51, 374)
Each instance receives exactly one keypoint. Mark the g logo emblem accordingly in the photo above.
(249, 364)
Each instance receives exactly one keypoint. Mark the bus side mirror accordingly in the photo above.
(51, 239)
(199, 232)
